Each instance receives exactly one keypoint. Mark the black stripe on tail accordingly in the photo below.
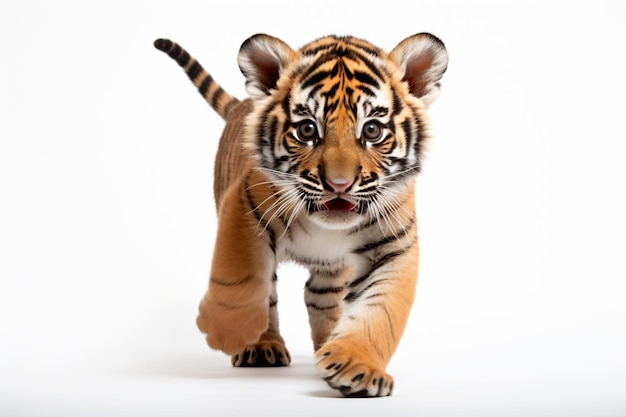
(213, 93)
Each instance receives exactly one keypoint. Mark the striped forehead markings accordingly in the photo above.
(322, 80)
(341, 51)
(331, 42)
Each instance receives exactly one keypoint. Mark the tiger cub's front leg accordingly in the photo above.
(238, 313)
(270, 349)
(374, 315)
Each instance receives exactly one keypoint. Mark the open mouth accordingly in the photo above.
(339, 204)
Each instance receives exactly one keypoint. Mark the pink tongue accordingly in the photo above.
(339, 204)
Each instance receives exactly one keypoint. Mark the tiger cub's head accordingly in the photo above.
(338, 125)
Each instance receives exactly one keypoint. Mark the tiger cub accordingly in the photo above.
(318, 167)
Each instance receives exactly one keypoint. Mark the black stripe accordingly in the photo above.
(378, 111)
(318, 263)
(366, 78)
(378, 294)
(319, 62)
(320, 308)
(216, 97)
(372, 51)
(387, 239)
(372, 67)
(418, 140)
(206, 84)
(355, 295)
(323, 290)
(397, 104)
(343, 366)
(333, 90)
(373, 177)
(194, 70)
(222, 283)
(385, 147)
(302, 110)
(314, 91)
(326, 272)
(309, 187)
(335, 69)
(353, 53)
(408, 132)
(315, 78)
(368, 91)
(287, 147)
(175, 51)
(231, 306)
(273, 128)
(183, 58)
(286, 106)
(258, 217)
(319, 48)
(330, 106)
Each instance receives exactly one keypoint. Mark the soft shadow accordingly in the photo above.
(196, 366)
(329, 393)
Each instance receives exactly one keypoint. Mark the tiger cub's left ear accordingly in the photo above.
(261, 60)
(423, 59)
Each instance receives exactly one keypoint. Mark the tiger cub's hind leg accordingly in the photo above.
(270, 349)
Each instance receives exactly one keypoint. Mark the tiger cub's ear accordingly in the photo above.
(261, 59)
(423, 59)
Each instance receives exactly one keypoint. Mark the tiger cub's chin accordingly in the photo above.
(336, 219)
(317, 166)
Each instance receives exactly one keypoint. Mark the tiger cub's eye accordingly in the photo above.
(372, 132)
(307, 131)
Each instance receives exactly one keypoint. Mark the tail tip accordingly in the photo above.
(162, 44)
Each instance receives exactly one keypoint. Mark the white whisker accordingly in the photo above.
(295, 211)
(396, 195)
(276, 194)
(282, 175)
(403, 172)
(388, 208)
(282, 203)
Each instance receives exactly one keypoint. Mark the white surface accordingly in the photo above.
(107, 219)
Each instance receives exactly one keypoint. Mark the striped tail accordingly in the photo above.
(220, 100)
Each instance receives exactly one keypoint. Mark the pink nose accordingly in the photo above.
(340, 186)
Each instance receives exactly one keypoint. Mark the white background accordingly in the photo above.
(107, 219)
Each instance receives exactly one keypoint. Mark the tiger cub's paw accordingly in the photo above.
(231, 329)
(270, 350)
(352, 372)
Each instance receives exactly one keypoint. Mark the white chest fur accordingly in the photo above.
(311, 245)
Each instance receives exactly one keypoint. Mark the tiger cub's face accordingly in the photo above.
(338, 125)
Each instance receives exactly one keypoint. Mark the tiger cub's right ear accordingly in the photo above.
(423, 59)
(261, 60)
